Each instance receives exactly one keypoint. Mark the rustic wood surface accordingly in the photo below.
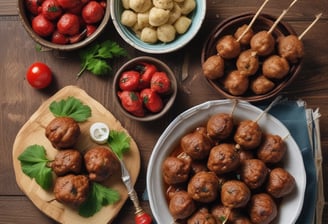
(19, 101)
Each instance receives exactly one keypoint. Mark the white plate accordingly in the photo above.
(291, 205)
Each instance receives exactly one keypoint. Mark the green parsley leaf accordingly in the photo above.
(119, 142)
(71, 107)
(98, 196)
(34, 164)
(94, 57)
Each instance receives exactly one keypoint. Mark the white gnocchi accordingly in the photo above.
(157, 20)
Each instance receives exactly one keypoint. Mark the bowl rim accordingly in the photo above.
(294, 68)
(159, 48)
(62, 47)
(174, 85)
(177, 126)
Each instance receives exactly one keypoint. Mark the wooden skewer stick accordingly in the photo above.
(235, 102)
(274, 102)
(253, 20)
(285, 137)
(281, 16)
(317, 17)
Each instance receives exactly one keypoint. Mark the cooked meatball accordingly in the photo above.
(181, 205)
(248, 134)
(196, 144)
(275, 67)
(202, 216)
(262, 85)
(253, 172)
(262, 209)
(213, 67)
(236, 83)
(248, 62)
(242, 220)
(222, 213)
(280, 183)
(272, 149)
(176, 170)
(228, 47)
(291, 48)
(101, 163)
(219, 126)
(223, 158)
(67, 161)
(63, 132)
(203, 187)
(263, 43)
(246, 38)
(235, 194)
(71, 189)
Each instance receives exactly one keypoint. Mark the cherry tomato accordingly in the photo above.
(152, 101)
(143, 218)
(146, 72)
(68, 24)
(132, 102)
(59, 38)
(51, 9)
(129, 80)
(90, 29)
(92, 12)
(39, 75)
(42, 26)
(69, 4)
(160, 82)
(33, 6)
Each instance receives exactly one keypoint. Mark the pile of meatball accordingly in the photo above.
(74, 171)
(252, 63)
(226, 173)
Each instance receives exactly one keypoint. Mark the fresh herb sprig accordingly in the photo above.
(70, 107)
(119, 142)
(98, 196)
(95, 57)
(34, 163)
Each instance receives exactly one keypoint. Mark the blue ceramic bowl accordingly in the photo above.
(197, 17)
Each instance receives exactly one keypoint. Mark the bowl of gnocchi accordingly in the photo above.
(158, 26)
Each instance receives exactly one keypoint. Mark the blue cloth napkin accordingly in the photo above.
(293, 115)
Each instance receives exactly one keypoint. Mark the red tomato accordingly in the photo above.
(59, 38)
(146, 70)
(69, 4)
(90, 29)
(42, 26)
(51, 9)
(33, 6)
(68, 24)
(160, 82)
(143, 218)
(129, 80)
(132, 102)
(39, 75)
(152, 101)
(92, 12)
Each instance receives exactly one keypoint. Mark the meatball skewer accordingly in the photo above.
(263, 42)
(249, 134)
(228, 46)
(291, 46)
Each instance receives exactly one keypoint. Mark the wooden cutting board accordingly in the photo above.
(33, 132)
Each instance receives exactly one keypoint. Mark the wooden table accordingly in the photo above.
(19, 101)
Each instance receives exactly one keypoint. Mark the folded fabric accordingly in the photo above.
(293, 115)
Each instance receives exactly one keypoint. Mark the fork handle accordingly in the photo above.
(141, 217)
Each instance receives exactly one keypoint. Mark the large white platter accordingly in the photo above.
(290, 207)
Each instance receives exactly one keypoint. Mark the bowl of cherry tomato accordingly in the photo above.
(145, 88)
(62, 24)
